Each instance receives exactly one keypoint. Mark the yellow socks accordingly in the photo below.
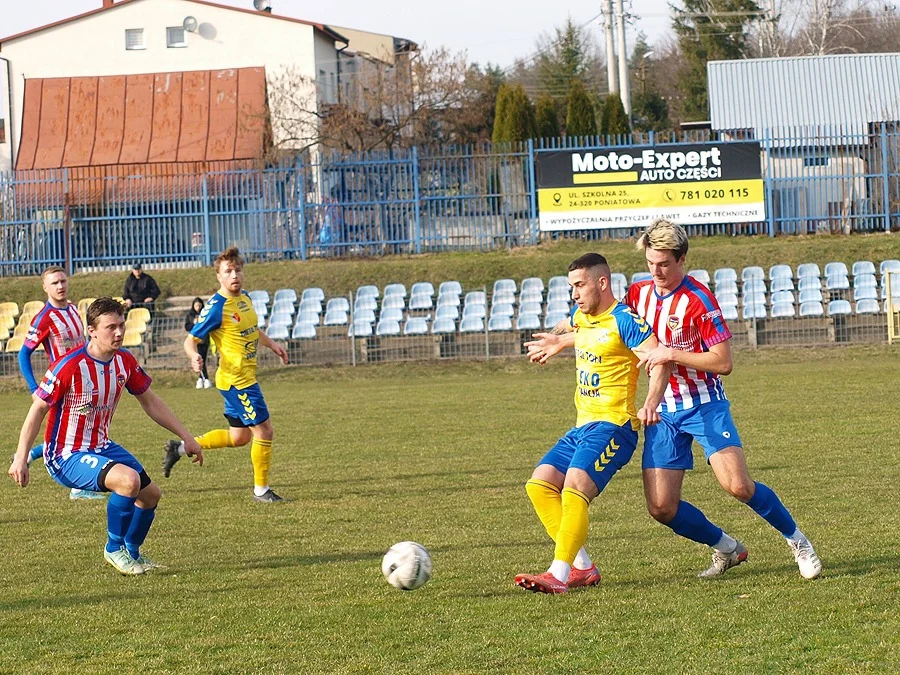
(217, 438)
(261, 455)
(545, 498)
(573, 527)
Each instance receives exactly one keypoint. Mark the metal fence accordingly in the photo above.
(403, 201)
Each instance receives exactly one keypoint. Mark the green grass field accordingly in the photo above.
(439, 453)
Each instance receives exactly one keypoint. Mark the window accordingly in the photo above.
(175, 37)
(134, 38)
(816, 160)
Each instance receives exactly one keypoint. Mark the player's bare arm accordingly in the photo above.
(18, 470)
(190, 348)
(659, 378)
(717, 360)
(549, 344)
(159, 412)
(279, 351)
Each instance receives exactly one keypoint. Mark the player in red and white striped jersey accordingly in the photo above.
(59, 329)
(695, 340)
(81, 391)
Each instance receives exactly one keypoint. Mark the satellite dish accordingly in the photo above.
(262, 5)
(189, 24)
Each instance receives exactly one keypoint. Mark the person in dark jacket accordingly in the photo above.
(141, 290)
(202, 347)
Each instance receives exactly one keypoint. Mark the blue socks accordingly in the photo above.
(690, 523)
(35, 453)
(769, 508)
(137, 532)
(119, 514)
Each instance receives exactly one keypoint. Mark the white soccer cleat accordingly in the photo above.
(807, 560)
(123, 563)
(722, 562)
(207, 384)
(199, 383)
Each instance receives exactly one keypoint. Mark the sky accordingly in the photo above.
(496, 31)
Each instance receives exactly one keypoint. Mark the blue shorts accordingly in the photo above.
(245, 407)
(83, 470)
(667, 445)
(599, 448)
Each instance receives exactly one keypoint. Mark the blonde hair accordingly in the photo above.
(53, 269)
(663, 235)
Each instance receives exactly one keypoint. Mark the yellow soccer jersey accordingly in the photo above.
(606, 365)
(231, 323)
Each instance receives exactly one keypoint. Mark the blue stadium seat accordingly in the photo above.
(617, 278)
(365, 303)
(809, 284)
(888, 266)
(312, 293)
(504, 309)
(727, 299)
(283, 307)
(700, 275)
(782, 297)
(837, 282)
(752, 272)
(338, 303)
(895, 288)
(336, 317)
(563, 282)
(471, 324)
(561, 295)
(754, 311)
(724, 274)
(499, 323)
(391, 314)
(259, 296)
(503, 298)
(474, 310)
(811, 309)
(393, 302)
(554, 318)
(442, 326)
(310, 305)
(728, 286)
(288, 294)
(753, 285)
(416, 325)
(364, 315)
(387, 327)
(838, 308)
(281, 319)
(780, 272)
(865, 280)
(476, 298)
(868, 306)
(808, 271)
(395, 289)
(835, 268)
(531, 308)
(781, 284)
(303, 331)
(531, 295)
(450, 288)
(360, 329)
(528, 322)
(756, 298)
(449, 299)
(367, 291)
(420, 301)
(278, 331)
(422, 288)
(640, 276)
(865, 293)
(504, 285)
(783, 310)
(311, 318)
(533, 284)
(812, 295)
(863, 267)
(558, 308)
(447, 312)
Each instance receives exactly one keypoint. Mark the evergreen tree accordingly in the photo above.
(547, 119)
(515, 118)
(650, 111)
(567, 55)
(580, 117)
(613, 120)
(709, 30)
(501, 123)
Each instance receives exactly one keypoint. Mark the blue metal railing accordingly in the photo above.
(401, 201)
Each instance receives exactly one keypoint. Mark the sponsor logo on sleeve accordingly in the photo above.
(709, 316)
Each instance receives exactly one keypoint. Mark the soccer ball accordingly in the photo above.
(406, 565)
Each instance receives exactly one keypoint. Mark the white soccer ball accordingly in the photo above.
(406, 565)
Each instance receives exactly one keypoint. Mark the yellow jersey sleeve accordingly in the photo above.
(232, 325)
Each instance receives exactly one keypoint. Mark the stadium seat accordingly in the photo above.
(310, 306)
(811, 295)
(838, 308)
(728, 286)
(393, 314)
(499, 323)
(863, 267)
(563, 282)
(312, 293)
(865, 293)
(531, 295)
(416, 325)
(135, 325)
(730, 312)
(284, 307)
(528, 322)
(885, 266)
(837, 282)
(808, 271)
(389, 302)
(14, 344)
(442, 326)
(364, 316)
(809, 284)
(450, 288)
(811, 309)
(781, 284)
(867, 306)
(724, 274)
(420, 301)
(450, 299)
(303, 331)
(835, 268)
(259, 297)
(288, 294)
(533, 284)
(474, 310)
(563, 295)
(781, 297)
(9, 322)
(387, 327)
(422, 288)
(476, 298)
(504, 309)
(311, 318)
(260, 321)
(865, 280)
(753, 285)
(727, 299)
(700, 275)
(336, 317)
(141, 313)
(29, 307)
(752, 272)
(338, 303)
(471, 324)
(132, 338)
(755, 311)
(780, 272)
(280, 319)
(503, 298)
(366, 303)
(554, 318)
(261, 310)
(278, 331)
(640, 276)
(756, 298)
(558, 308)
(360, 329)
(367, 291)
(783, 310)
(895, 289)
(447, 312)
(530, 308)
(504, 285)
(395, 289)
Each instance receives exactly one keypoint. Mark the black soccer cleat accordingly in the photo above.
(171, 457)
(269, 497)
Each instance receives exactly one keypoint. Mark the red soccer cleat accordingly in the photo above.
(584, 578)
(541, 583)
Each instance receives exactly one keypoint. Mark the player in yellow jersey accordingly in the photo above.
(229, 320)
(610, 344)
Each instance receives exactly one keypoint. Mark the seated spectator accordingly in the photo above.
(140, 290)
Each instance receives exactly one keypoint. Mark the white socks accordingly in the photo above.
(181, 449)
(583, 560)
(726, 544)
(560, 569)
(260, 490)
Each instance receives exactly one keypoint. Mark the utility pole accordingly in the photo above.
(624, 88)
(610, 47)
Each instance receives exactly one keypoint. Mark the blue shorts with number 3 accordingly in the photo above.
(598, 448)
(81, 470)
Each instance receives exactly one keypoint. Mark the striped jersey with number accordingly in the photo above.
(59, 330)
(83, 393)
(689, 319)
